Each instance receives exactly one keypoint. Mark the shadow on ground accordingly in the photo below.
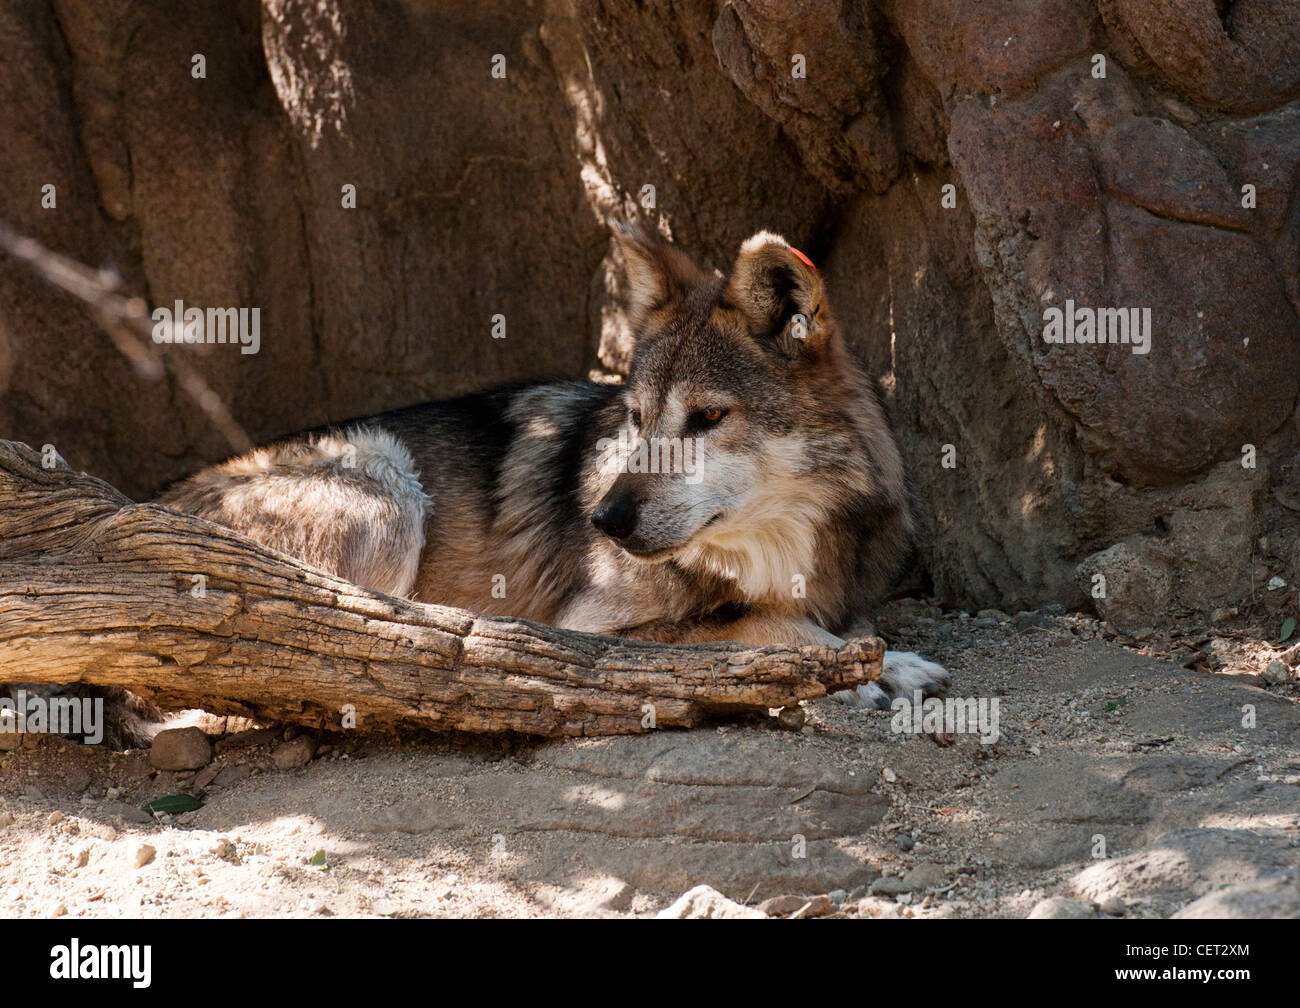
(1125, 783)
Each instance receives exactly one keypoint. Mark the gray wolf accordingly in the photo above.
(742, 484)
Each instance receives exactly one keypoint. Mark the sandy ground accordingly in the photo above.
(1129, 779)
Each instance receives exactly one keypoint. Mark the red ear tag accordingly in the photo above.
(806, 260)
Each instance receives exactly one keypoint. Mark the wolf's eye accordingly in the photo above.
(709, 417)
(634, 418)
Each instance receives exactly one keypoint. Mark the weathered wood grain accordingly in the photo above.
(94, 588)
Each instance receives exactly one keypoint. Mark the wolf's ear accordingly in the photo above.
(781, 297)
(658, 275)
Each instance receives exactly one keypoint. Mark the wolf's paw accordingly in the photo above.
(868, 696)
(902, 674)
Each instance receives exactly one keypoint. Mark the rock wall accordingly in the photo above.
(954, 169)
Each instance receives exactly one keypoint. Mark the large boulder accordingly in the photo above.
(957, 171)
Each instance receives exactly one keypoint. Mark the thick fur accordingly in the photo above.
(796, 523)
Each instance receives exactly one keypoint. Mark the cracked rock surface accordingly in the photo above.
(1119, 184)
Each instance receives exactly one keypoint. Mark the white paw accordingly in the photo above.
(903, 673)
(868, 696)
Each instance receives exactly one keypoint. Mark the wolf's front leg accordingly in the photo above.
(760, 629)
(902, 672)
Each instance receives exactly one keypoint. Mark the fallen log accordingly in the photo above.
(97, 589)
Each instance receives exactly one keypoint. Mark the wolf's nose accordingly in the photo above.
(615, 516)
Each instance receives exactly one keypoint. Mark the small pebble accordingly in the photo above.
(1059, 908)
(180, 749)
(1113, 905)
(295, 753)
(889, 886)
(1277, 672)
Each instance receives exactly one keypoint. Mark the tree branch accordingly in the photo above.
(94, 588)
(126, 320)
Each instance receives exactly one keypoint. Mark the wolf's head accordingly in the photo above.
(746, 423)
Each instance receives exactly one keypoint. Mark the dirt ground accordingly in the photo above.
(1141, 778)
